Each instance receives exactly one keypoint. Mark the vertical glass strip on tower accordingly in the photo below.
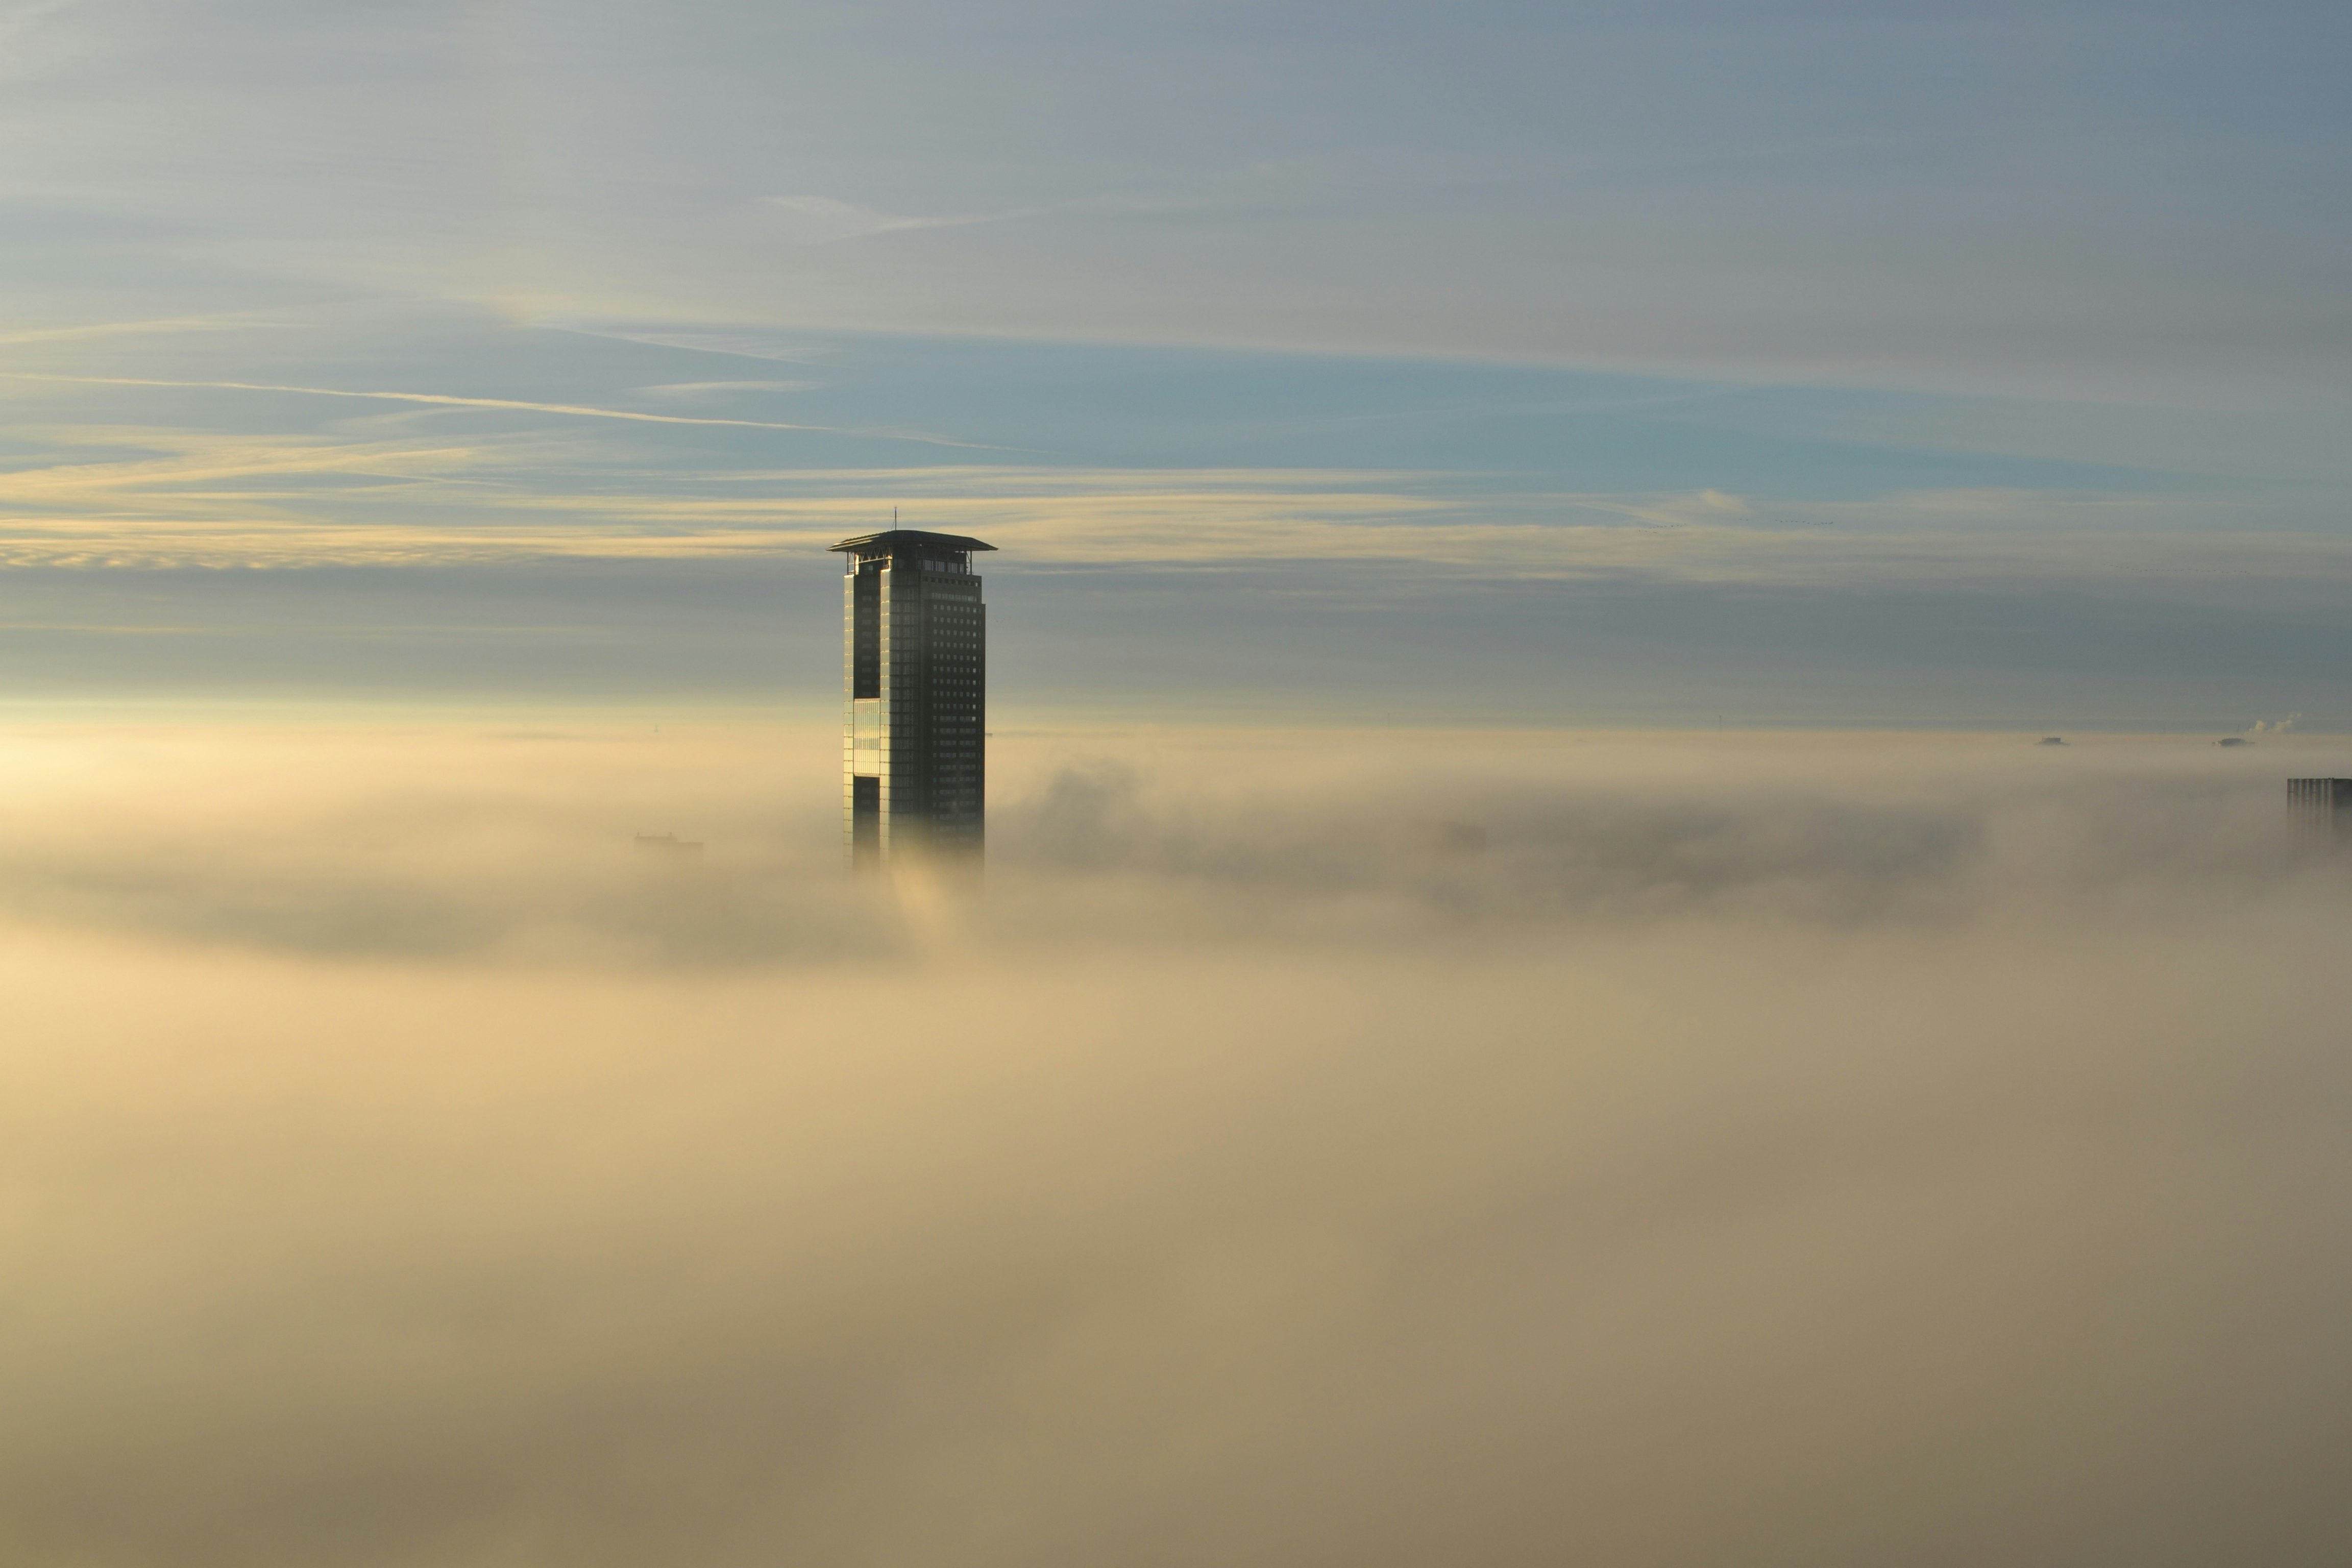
(914, 678)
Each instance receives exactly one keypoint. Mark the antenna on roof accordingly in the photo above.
(893, 517)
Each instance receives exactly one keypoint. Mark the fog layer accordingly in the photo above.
(1367, 1151)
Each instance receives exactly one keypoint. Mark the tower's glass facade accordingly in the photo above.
(915, 673)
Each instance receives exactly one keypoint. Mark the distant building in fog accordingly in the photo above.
(2320, 805)
(915, 674)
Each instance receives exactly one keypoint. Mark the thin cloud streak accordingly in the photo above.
(290, 501)
(231, 323)
(503, 402)
(707, 388)
(830, 220)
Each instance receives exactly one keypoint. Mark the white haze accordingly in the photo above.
(1377, 1151)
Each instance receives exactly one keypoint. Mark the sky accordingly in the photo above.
(1814, 363)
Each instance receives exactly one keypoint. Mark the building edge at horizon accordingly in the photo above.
(2319, 806)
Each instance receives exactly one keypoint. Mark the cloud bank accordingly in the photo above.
(1511, 1150)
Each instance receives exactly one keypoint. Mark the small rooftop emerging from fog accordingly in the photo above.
(908, 541)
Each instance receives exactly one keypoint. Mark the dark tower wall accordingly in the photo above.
(915, 671)
(2322, 806)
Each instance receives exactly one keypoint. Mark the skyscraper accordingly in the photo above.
(915, 658)
(2320, 806)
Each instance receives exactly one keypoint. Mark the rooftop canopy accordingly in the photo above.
(908, 541)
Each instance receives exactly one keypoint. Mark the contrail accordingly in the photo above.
(578, 409)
